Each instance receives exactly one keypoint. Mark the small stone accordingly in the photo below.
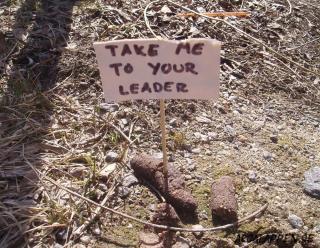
(62, 235)
(166, 10)
(97, 231)
(85, 239)
(149, 240)
(203, 215)
(202, 119)
(196, 150)
(79, 246)
(311, 183)
(274, 138)
(111, 157)
(107, 170)
(129, 180)
(295, 221)
(197, 227)
(267, 155)
(123, 192)
(252, 176)
(109, 107)
(317, 228)
(129, 225)
(78, 172)
(242, 138)
(212, 135)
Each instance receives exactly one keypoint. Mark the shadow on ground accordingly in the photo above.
(39, 33)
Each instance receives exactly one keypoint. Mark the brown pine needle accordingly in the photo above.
(218, 14)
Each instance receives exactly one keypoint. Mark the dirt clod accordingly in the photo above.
(150, 169)
(223, 201)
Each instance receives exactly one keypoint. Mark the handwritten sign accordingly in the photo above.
(159, 69)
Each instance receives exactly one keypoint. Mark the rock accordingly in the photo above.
(96, 231)
(149, 240)
(62, 235)
(79, 246)
(109, 107)
(202, 119)
(212, 135)
(166, 10)
(316, 228)
(252, 176)
(196, 150)
(311, 183)
(56, 245)
(158, 155)
(274, 138)
(242, 138)
(223, 201)
(85, 239)
(123, 192)
(197, 227)
(181, 243)
(295, 221)
(129, 180)
(78, 171)
(107, 170)
(203, 215)
(267, 155)
(111, 157)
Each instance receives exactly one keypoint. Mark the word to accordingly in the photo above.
(159, 69)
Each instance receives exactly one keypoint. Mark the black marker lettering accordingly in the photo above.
(175, 68)
(183, 46)
(112, 49)
(128, 68)
(190, 68)
(152, 51)
(139, 50)
(181, 87)
(134, 88)
(155, 68)
(122, 92)
(146, 87)
(126, 50)
(167, 86)
(116, 68)
(166, 68)
(157, 87)
(197, 49)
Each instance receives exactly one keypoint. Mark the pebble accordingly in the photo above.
(267, 155)
(85, 239)
(123, 192)
(197, 227)
(203, 215)
(57, 246)
(252, 176)
(129, 180)
(107, 170)
(212, 135)
(109, 107)
(295, 221)
(317, 228)
(311, 183)
(97, 231)
(158, 155)
(146, 239)
(111, 156)
(202, 119)
(196, 150)
(166, 10)
(274, 138)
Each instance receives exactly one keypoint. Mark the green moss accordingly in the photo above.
(223, 170)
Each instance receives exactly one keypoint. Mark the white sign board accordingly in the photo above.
(159, 69)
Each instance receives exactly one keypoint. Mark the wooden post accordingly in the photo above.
(163, 138)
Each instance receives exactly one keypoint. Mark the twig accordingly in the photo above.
(290, 7)
(122, 133)
(218, 14)
(163, 227)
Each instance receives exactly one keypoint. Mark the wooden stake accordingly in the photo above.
(163, 138)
